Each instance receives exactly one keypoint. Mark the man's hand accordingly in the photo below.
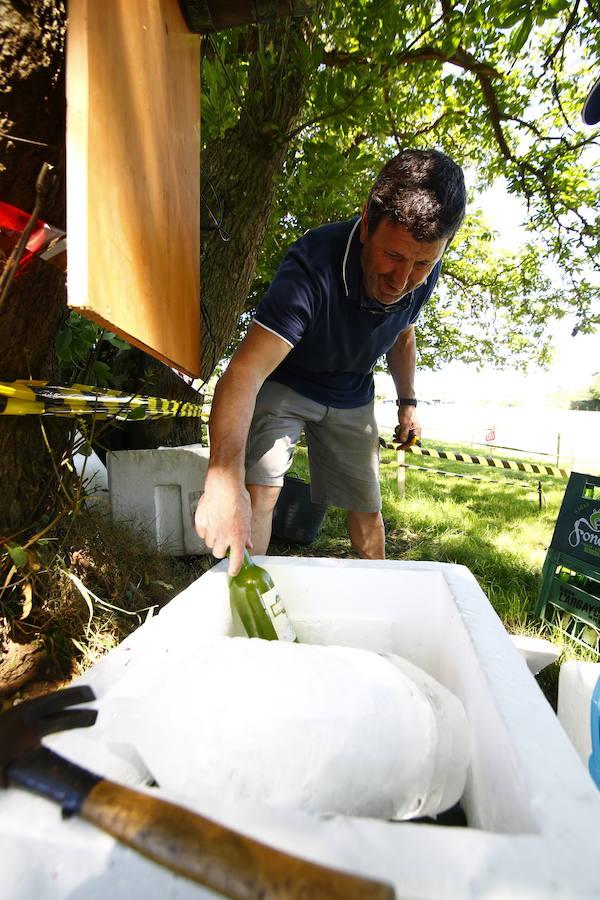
(408, 427)
(224, 514)
(223, 520)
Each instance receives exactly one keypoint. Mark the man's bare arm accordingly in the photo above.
(223, 515)
(401, 359)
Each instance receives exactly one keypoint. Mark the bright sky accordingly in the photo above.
(577, 358)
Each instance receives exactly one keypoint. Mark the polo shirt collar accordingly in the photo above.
(352, 275)
(351, 267)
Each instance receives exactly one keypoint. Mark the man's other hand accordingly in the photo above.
(408, 429)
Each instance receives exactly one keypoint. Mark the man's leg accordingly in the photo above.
(276, 427)
(263, 497)
(367, 534)
(343, 451)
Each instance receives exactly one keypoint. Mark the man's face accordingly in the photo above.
(393, 262)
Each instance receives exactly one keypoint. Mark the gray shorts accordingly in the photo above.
(343, 447)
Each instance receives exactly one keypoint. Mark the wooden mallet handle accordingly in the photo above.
(224, 860)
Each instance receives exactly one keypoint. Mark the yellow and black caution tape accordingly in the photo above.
(26, 398)
(524, 484)
(517, 465)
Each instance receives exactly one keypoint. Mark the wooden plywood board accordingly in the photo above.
(133, 174)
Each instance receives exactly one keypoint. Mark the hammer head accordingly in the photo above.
(23, 726)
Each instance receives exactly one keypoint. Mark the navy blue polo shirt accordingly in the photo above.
(314, 304)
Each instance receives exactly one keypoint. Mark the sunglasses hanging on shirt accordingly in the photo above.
(380, 310)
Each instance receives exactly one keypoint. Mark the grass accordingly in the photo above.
(497, 530)
(87, 584)
(90, 583)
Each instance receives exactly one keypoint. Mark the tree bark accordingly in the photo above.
(20, 664)
(148, 376)
(244, 166)
(32, 107)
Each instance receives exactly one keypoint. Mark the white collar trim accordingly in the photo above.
(356, 224)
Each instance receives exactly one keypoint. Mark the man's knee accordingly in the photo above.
(263, 497)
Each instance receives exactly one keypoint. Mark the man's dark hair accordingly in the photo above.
(424, 190)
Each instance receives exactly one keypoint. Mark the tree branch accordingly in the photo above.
(460, 58)
(391, 120)
(561, 41)
(595, 9)
(328, 115)
(492, 104)
(447, 9)
(433, 125)
(340, 59)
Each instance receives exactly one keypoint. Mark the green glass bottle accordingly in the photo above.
(254, 597)
(581, 581)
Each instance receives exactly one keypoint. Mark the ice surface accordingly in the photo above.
(334, 729)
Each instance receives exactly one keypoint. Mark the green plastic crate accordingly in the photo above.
(569, 596)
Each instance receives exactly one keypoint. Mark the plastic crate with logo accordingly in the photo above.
(569, 596)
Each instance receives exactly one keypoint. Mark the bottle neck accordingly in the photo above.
(247, 559)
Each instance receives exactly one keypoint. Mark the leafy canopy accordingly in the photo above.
(499, 86)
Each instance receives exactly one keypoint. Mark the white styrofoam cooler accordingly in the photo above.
(157, 491)
(532, 809)
(576, 683)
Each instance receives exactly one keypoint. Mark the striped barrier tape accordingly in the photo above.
(25, 398)
(517, 465)
(524, 484)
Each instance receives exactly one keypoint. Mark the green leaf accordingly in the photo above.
(519, 38)
(513, 18)
(18, 555)
(84, 450)
(138, 413)
(101, 373)
(555, 7)
(63, 342)
(115, 341)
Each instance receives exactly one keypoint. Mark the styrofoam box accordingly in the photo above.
(533, 812)
(157, 491)
(576, 683)
(537, 652)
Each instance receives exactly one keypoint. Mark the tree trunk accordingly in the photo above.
(244, 166)
(148, 376)
(32, 107)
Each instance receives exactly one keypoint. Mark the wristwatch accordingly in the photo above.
(406, 401)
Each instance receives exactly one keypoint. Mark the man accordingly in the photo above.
(344, 295)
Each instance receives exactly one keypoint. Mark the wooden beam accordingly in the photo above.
(133, 174)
